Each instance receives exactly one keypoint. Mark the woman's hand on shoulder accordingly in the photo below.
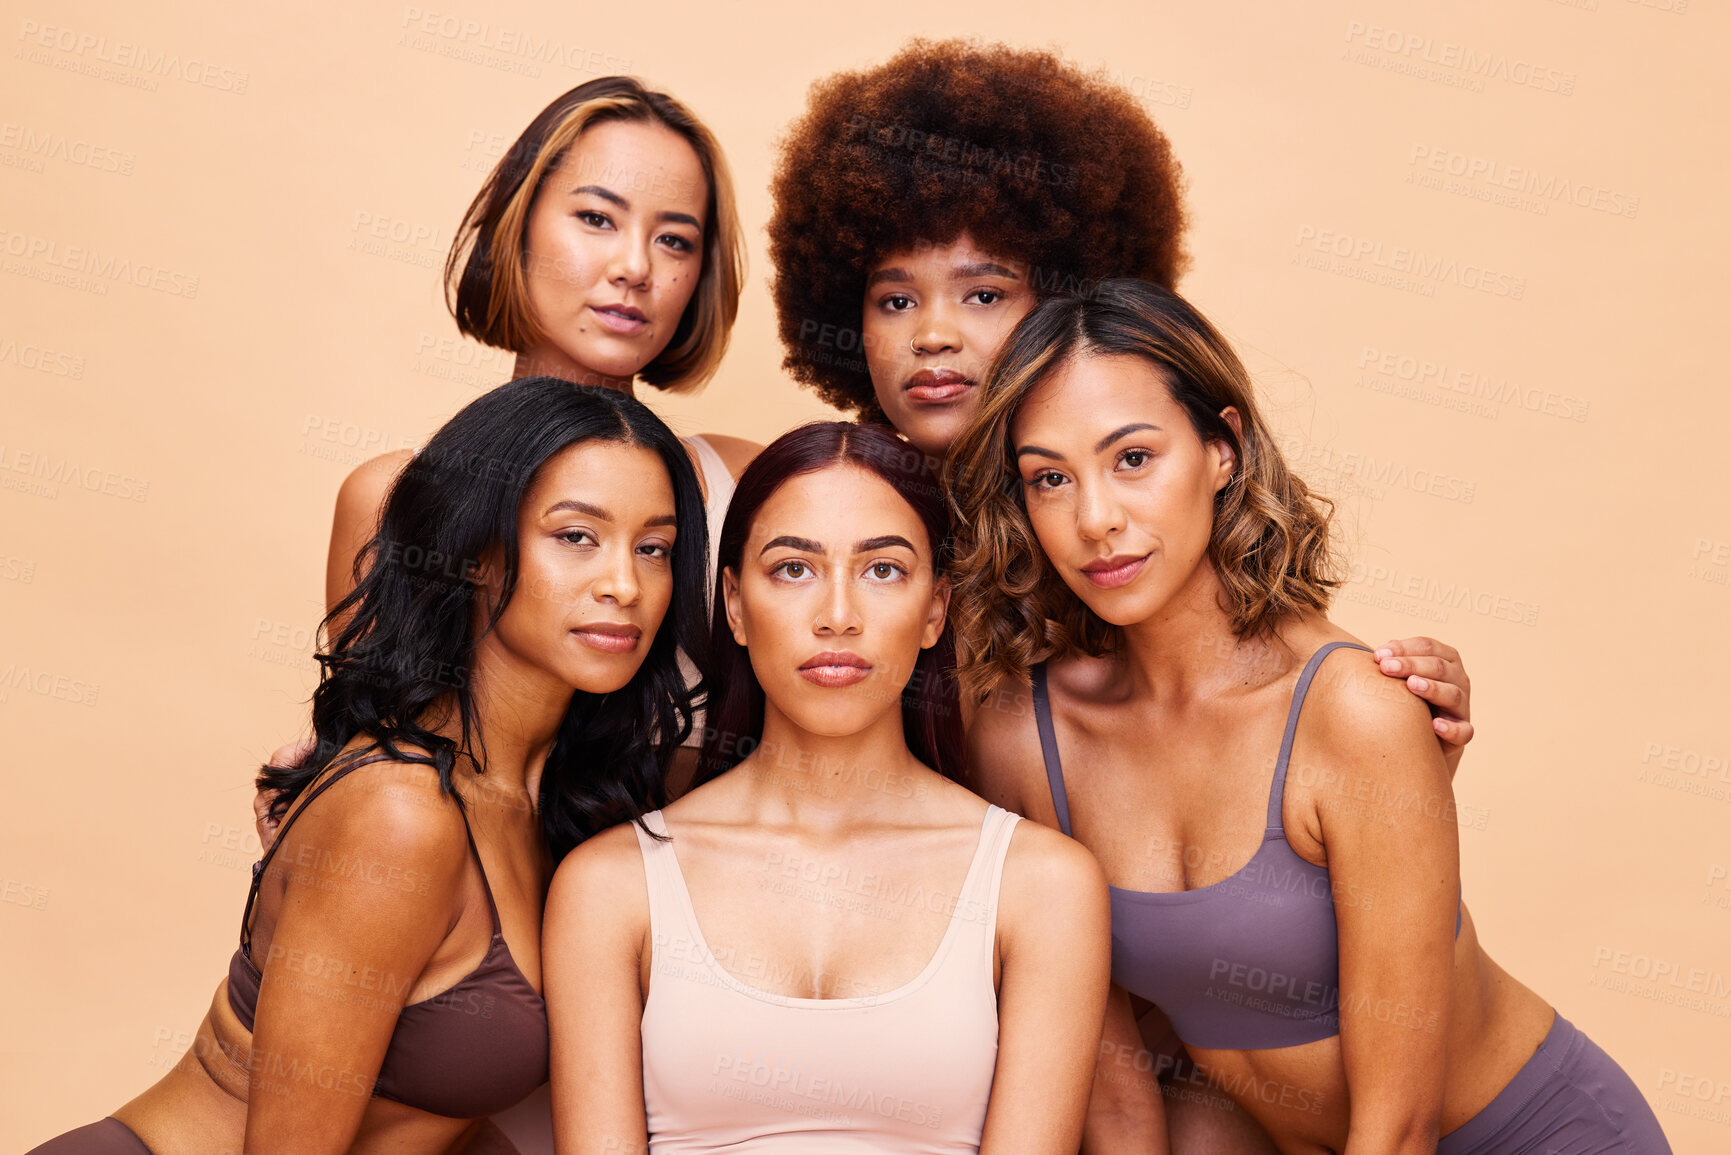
(373, 874)
(592, 958)
(1433, 670)
(1054, 939)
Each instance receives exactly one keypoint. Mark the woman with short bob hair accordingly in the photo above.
(829, 945)
(1286, 881)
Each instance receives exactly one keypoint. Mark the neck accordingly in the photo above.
(545, 361)
(518, 708)
(829, 782)
(1187, 648)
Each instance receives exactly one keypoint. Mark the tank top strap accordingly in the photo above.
(1049, 748)
(981, 890)
(661, 877)
(1277, 789)
(306, 801)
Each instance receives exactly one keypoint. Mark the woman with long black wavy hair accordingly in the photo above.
(500, 688)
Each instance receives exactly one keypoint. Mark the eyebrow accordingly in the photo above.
(981, 269)
(597, 512)
(1125, 431)
(959, 273)
(612, 197)
(806, 545)
(1133, 427)
(787, 541)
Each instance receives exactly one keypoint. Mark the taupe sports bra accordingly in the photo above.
(472, 1050)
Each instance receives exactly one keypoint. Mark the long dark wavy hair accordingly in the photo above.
(931, 715)
(403, 640)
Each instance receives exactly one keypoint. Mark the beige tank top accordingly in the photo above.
(731, 1068)
(719, 484)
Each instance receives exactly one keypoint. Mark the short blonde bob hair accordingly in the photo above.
(486, 278)
(1270, 541)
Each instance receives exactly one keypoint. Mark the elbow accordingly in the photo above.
(1411, 1132)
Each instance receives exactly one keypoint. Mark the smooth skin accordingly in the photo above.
(591, 246)
(835, 560)
(596, 531)
(1168, 751)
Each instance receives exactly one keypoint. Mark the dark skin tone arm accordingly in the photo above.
(343, 955)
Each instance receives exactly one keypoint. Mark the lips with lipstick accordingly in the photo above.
(836, 668)
(609, 637)
(937, 386)
(1109, 573)
(621, 318)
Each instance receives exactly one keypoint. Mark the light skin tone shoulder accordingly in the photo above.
(594, 583)
(1167, 749)
(834, 598)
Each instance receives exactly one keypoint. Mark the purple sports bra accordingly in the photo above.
(472, 1050)
(1249, 962)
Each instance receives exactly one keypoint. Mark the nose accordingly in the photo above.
(628, 264)
(937, 332)
(838, 614)
(617, 582)
(1099, 514)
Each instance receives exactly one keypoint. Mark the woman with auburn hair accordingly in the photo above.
(501, 686)
(1285, 879)
(828, 945)
(921, 208)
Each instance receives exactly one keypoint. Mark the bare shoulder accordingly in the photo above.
(735, 452)
(1051, 881)
(389, 815)
(1351, 706)
(1004, 761)
(363, 491)
(602, 878)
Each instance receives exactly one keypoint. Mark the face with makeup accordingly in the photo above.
(1119, 487)
(615, 247)
(834, 598)
(934, 318)
(595, 534)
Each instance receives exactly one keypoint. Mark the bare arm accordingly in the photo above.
(735, 452)
(370, 895)
(1125, 1110)
(1433, 670)
(359, 503)
(1054, 940)
(593, 953)
(1393, 862)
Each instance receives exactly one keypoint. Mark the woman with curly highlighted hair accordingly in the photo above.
(1286, 879)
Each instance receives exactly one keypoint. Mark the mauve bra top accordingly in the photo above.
(1251, 961)
(475, 1049)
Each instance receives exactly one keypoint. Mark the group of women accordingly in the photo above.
(987, 692)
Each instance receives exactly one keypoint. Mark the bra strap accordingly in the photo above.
(259, 868)
(1049, 748)
(1277, 791)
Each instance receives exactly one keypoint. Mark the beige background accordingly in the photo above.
(168, 458)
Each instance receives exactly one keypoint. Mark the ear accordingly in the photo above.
(730, 599)
(1227, 463)
(937, 614)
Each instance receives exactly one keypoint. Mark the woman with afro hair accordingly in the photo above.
(921, 209)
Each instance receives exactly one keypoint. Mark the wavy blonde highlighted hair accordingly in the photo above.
(1270, 541)
(486, 273)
